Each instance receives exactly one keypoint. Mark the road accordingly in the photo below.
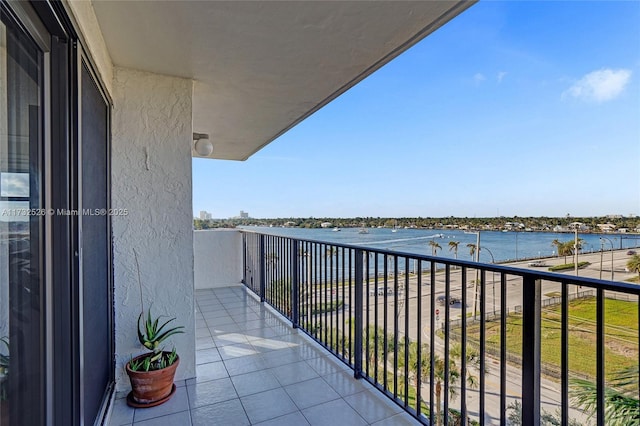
(550, 393)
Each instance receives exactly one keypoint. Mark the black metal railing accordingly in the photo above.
(451, 341)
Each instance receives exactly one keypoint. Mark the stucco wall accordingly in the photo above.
(151, 177)
(217, 258)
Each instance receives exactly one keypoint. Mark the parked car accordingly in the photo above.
(631, 252)
(380, 290)
(452, 300)
(537, 263)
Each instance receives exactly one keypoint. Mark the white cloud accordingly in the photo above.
(599, 86)
(501, 75)
(14, 184)
(479, 78)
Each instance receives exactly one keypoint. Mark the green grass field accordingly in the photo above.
(621, 335)
(568, 266)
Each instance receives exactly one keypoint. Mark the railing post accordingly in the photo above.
(531, 316)
(357, 368)
(295, 293)
(262, 259)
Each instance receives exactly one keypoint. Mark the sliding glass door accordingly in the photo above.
(21, 227)
(56, 291)
(97, 301)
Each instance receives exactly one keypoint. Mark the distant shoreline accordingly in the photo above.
(616, 226)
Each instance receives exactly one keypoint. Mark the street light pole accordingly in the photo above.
(475, 285)
(575, 249)
(610, 242)
(601, 253)
(493, 280)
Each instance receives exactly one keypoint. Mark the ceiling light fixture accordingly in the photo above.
(202, 145)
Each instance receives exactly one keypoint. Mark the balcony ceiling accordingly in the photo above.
(262, 67)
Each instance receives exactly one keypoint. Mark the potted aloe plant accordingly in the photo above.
(151, 374)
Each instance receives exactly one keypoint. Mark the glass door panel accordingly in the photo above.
(97, 300)
(21, 221)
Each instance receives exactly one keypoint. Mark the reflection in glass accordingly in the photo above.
(21, 378)
(14, 184)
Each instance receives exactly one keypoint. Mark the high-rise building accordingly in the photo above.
(244, 215)
(205, 215)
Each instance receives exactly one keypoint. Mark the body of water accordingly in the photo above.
(503, 245)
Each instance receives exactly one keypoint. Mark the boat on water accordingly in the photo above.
(363, 231)
(336, 229)
(395, 227)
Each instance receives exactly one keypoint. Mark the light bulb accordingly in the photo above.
(204, 147)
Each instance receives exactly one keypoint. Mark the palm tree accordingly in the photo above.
(374, 346)
(634, 264)
(453, 246)
(565, 248)
(424, 364)
(414, 362)
(271, 263)
(557, 244)
(434, 247)
(620, 407)
(438, 376)
(472, 249)
(472, 357)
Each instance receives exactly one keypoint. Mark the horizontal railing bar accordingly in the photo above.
(356, 303)
(622, 287)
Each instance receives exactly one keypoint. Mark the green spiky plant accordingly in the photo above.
(4, 359)
(621, 407)
(151, 334)
(4, 368)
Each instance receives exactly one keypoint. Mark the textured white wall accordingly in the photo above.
(151, 177)
(217, 258)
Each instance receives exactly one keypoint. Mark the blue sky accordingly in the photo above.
(513, 108)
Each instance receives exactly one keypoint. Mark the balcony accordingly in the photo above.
(254, 368)
(486, 344)
(328, 333)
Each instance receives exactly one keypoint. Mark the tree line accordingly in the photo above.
(542, 223)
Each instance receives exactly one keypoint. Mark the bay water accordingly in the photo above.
(504, 246)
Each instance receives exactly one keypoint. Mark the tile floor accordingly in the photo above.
(254, 369)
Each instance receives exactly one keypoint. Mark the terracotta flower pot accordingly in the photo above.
(151, 388)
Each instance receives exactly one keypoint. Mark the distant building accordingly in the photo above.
(326, 225)
(606, 227)
(205, 215)
(243, 215)
(579, 226)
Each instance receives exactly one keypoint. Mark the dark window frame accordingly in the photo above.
(47, 23)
